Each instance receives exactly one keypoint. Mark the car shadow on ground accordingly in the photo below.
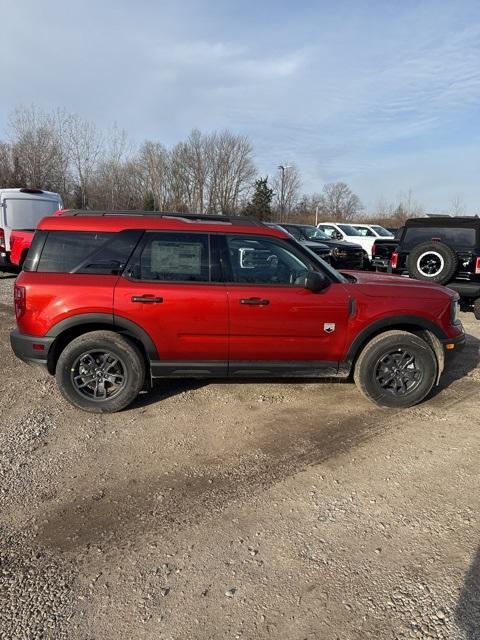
(168, 387)
(467, 612)
(461, 364)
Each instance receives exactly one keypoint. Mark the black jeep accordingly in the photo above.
(443, 250)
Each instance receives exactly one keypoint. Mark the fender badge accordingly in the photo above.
(329, 327)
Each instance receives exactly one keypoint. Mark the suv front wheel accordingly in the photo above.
(396, 369)
(100, 371)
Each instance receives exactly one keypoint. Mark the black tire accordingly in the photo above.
(433, 262)
(389, 358)
(121, 367)
(476, 308)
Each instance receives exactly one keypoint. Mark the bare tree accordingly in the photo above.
(10, 175)
(85, 145)
(211, 173)
(153, 169)
(40, 147)
(457, 206)
(338, 202)
(286, 186)
(111, 184)
(231, 171)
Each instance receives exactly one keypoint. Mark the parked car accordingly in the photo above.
(445, 250)
(108, 301)
(341, 231)
(320, 248)
(22, 209)
(373, 230)
(343, 255)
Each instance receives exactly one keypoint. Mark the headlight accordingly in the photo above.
(454, 312)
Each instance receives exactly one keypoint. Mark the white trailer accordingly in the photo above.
(23, 209)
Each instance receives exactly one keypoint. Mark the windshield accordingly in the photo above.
(313, 233)
(348, 230)
(26, 213)
(382, 231)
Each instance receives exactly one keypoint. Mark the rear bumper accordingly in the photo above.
(31, 349)
(465, 289)
(380, 263)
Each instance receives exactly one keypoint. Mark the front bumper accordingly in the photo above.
(31, 349)
(353, 262)
(454, 345)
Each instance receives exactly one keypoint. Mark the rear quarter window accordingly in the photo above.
(464, 237)
(84, 252)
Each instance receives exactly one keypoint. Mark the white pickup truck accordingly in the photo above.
(343, 231)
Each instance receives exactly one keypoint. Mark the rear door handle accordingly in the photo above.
(254, 301)
(147, 299)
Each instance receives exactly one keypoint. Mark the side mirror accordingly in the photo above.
(316, 281)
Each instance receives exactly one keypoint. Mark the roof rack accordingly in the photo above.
(188, 217)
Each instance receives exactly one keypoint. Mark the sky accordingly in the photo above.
(381, 94)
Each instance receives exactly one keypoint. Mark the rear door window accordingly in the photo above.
(348, 230)
(453, 236)
(365, 231)
(172, 257)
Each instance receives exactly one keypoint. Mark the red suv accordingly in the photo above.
(108, 301)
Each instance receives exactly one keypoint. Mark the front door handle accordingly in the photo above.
(254, 301)
(147, 299)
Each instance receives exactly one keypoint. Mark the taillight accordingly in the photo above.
(477, 265)
(20, 300)
(394, 260)
(2, 240)
(374, 250)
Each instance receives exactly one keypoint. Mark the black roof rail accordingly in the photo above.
(167, 214)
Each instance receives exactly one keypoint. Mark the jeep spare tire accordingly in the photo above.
(432, 261)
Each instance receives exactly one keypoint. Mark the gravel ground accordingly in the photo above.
(239, 510)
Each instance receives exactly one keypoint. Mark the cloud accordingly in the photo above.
(342, 90)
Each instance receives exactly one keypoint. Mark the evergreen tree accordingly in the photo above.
(149, 202)
(260, 205)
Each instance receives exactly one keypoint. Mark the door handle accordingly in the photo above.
(147, 299)
(254, 301)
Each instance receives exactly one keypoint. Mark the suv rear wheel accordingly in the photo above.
(396, 369)
(432, 261)
(100, 371)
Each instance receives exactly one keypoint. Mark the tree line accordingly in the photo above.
(206, 173)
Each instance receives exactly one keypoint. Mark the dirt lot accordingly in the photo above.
(227, 510)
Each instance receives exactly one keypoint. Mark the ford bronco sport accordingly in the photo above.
(109, 301)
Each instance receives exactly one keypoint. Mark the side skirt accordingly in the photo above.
(249, 369)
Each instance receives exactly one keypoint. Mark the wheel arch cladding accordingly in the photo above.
(72, 327)
(412, 324)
